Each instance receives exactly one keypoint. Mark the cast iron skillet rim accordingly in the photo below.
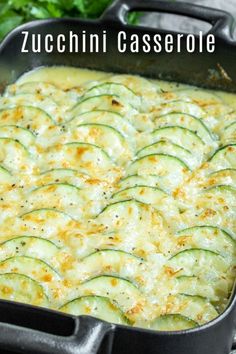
(212, 323)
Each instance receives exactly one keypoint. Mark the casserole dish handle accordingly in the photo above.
(26, 329)
(222, 22)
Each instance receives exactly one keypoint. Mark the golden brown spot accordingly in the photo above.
(47, 278)
(136, 309)
(81, 150)
(170, 271)
(6, 290)
(114, 282)
(116, 103)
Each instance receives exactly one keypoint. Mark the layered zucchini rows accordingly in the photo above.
(118, 201)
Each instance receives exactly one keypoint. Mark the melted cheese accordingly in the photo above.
(68, 178)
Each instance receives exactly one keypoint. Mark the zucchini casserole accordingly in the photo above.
(118, 197)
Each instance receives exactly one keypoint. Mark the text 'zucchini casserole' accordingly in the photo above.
(118, 197)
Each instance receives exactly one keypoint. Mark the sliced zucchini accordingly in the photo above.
(139, 85)
(24, 136)
(104, 136)
(180, 106)
(87, 157)
(196, 308)
(21, 288)
(171, 170)
(181, 136)
(186, 121)
(96, 306)
(129, 214)
(223, 177)
(200, 97)
(113, 119)
(135, 180)
(207, 237)
(5, 177)
(46, 223)
(220, 196)
(112, 103)
(14, 156)
(117, 89)
(34, 119)
(172, 322)
(166, 147)
(220, 200)
(31, 267)
(41, 88)
(206, 264)
(124, 292)
(160, 200)
(215, 292)
(229, 133)
(60, 196)
(28, 99)
(112, 262)
(28, 246)
(63, 175)
(225, 157)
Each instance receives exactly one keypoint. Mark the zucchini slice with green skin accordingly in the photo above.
(28, 246)
(28, 99)
(139, 85)
(117, 289)
(223, 177)
(112, 262)
(130, 214)
(196, 308)
(31, 267)
(207, 237)
(14, 156)
(220, 196)
(22, 288)
(186, 121)
(112, 103)
(104, 136)
(216, 206)
(180, 136)
(229, 133)
(135, 180)
(88, 158)
(47, 223)
(159, 199)
(44, 89)
(216, 292)
(199, 262)
(225, 157)
(97, 306)
(60, 196)
(166, 147)
(180, 106)
(63, 175)
(113, 88)
(24, 136)
(113, 119)
(6, 177)
(171, 170)
(172, 322)
(200, 97)
(34, 119)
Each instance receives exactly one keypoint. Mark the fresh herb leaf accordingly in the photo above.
(16, 12)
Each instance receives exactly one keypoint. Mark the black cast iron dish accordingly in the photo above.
(29, 330)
